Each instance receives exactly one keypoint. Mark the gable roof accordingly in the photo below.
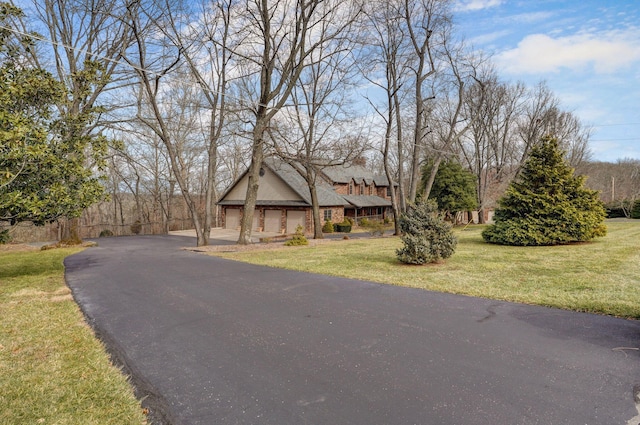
(327, 196)
(297, 186)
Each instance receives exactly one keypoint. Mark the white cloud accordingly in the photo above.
(541, 53)
(528, 18)
(489, 37)
(472, 5)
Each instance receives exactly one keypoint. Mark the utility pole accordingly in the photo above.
(613, 188)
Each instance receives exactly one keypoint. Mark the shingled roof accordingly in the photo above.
(358, 173)
(362, 201)
(327, 196)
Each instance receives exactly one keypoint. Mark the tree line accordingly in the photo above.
(156, 98)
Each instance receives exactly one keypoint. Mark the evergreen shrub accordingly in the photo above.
(5, 237)
(327, 227)
(298, 238)
(635, 211)
(427, 238)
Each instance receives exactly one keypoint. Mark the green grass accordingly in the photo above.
(602, 276)
(52, 368)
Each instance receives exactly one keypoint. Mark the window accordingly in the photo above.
(388, 190)
(350, 188)
(327, 215)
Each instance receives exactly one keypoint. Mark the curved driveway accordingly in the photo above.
(212, 341)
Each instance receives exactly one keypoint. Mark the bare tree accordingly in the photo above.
(386, 41)
(543, 116)
(206, 50)
(153, 67)
(280, 37)
(450, 122)
(425, 20)
(490, 146)
(321, 129)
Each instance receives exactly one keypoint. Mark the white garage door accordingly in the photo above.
(232, 219)
(272, 220)
(294, 218)
(256, 220)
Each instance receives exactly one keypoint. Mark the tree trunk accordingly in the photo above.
(432, 176)
(251, 198)
(317, 223)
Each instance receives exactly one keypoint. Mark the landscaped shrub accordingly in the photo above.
(620, 209)
(615, 211)
(635, 212)
(344, 227)
(298, 238)
(105, 233)
(376, 227)
(327, 227)
(5, 237)
(547, 205)
(136, 227)
(427, 238)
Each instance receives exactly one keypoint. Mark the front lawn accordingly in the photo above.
(52, 368)
(602, 276)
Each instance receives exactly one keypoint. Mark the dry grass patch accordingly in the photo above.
(52, 368)
(601, 277)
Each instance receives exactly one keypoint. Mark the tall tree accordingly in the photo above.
(281, 36)
(169, 105)
(211, 43)
(385, 69)
(489, 147)
(44, 175)
(453, 188)
(449, 122)
(318, 129)
(425, 22)
(86, 40)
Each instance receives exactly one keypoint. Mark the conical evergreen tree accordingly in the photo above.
(547, 205)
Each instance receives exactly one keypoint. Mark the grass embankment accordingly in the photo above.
(52, 368)
(602, 276)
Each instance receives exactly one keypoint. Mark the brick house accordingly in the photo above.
(284, 199)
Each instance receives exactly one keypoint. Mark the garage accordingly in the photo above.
(272, 219)
(295, 218)
(256, 221)
(232, 218)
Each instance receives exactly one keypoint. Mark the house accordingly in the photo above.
(284, 199)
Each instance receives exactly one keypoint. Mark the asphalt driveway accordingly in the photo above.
(212, 341)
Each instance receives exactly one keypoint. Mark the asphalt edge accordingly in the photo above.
(154, 405)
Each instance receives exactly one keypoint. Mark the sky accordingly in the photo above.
(588, 52)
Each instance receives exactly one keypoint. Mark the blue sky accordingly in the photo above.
(587, 51)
